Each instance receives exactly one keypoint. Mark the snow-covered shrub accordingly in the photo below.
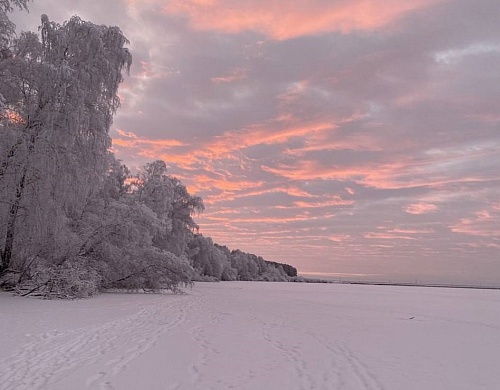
(152, 270)
(72, 279)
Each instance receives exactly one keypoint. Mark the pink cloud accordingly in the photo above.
(333, 201)
(420, 208)
(288, 19)
(388, 236)
(247, 189)
(313, 170)
(269, 220)
(412, 231)
(150, 71)
(400, 173)
(339, 238)
(234, 75)
(484, 223)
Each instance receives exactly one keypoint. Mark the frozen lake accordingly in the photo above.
(251, 335)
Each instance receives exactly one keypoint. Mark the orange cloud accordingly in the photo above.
(295, 191)
(231, 184)
(277, 131)
(288, 19)
(274, 132)
(131, 140)
(231, 188)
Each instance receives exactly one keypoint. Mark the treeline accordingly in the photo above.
(216, 262)
(73, 220)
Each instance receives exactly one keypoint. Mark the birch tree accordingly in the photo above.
(60, 94)
(169, 198)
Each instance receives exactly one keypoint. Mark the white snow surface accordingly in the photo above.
(255, 335)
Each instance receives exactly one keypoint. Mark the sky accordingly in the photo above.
(349, 138)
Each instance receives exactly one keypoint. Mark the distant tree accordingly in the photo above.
(288, 269)
(228, 272)
(210, 259)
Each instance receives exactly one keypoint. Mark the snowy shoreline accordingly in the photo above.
(252, 335)
(403, 284)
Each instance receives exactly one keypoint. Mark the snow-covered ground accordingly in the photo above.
(250, 335)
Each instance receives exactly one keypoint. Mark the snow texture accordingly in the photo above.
(251, 335)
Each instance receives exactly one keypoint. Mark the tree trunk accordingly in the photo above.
(11, 223)
(10, 155)
(6, 253)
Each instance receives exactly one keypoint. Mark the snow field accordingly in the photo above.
(255, 335)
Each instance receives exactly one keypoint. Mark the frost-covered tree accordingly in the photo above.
(169, 198)
(59, 96)
(210, 259)
(121, 230)
(287, 268)
(252, 267)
